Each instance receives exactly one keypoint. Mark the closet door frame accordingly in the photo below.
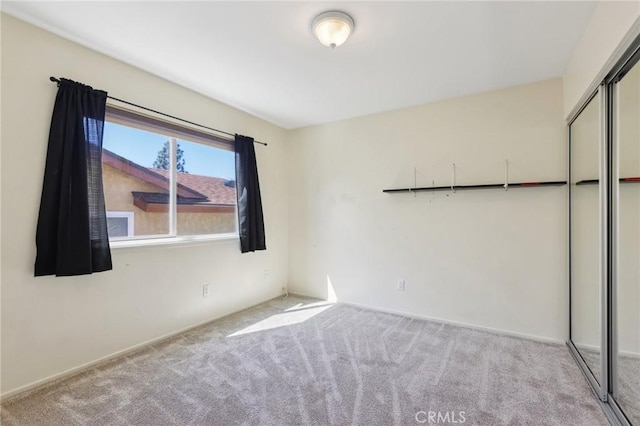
(605, 239)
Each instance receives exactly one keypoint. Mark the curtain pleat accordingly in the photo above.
(71, 235)
(250, 219)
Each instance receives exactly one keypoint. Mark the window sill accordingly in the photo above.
(173, 241)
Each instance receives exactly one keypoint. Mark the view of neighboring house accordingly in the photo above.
(137, 200)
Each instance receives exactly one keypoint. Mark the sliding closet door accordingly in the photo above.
(585, 237)
(626, 259)
(604, 243)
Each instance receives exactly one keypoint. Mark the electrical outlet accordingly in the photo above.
(400, 285)
(267, 273)
(205, 290)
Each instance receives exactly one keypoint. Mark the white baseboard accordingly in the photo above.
(594, 348)
(628, 354)
(295, 292)
(586, 347)
(50, 380)
(457, 323)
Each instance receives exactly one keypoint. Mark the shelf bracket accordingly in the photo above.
(506, 174)
(453, 178)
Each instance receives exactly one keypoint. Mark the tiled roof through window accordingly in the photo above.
(219, 191)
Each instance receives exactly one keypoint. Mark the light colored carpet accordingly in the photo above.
(302, 362)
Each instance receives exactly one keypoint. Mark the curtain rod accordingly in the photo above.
(57, 81)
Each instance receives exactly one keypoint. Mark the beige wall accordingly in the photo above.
(489, 258)
(611, 22)
(52, 325)
(118, 186)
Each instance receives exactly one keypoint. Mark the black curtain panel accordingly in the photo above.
(71, 236)
(250, 220)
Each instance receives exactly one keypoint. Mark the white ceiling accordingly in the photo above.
(261, 57)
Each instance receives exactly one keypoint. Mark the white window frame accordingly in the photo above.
(130, 225)
(173, 131)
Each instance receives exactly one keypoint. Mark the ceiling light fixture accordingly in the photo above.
(332, 28)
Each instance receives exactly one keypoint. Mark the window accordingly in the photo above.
(120, 224)
(162, 180)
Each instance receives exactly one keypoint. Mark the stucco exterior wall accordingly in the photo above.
(206, 223)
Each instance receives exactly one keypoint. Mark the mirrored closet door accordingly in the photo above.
(604, 239)
(625, 373)
(585, 223)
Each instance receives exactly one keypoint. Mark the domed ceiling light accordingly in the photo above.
(332, 28)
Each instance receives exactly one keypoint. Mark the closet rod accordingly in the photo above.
(596, 181)
(57, 81)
